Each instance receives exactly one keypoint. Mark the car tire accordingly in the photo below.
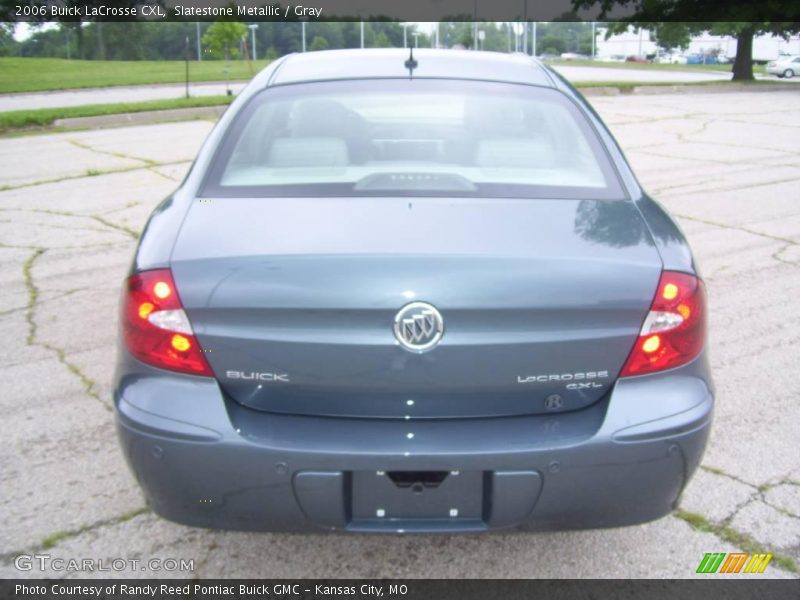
(788, 73)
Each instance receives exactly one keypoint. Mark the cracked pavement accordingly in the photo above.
(72, 204)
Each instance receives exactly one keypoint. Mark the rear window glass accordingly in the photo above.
(411, 137)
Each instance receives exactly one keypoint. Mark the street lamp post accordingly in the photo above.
(525, 38)
(475, 26)
(303, 31)
(252, 27)
(186, 58)
(199, 50)
(517, 27)
(525, 29)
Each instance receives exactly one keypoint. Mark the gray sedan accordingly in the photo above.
(785, 67)
(412, 293)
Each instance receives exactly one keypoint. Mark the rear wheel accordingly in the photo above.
(788, 73)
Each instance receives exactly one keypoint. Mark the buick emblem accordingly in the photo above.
(418, 327)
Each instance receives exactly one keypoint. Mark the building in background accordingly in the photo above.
(633, 43)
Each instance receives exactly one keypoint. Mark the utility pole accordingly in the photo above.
(517, 26)
(525, 30)
(525, 38)
(475, 27)
(199, 50)
(252, 27)
(186, 57)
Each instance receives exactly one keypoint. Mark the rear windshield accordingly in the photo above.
(391, 137)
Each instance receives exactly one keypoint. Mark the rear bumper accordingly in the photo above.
(206, 462)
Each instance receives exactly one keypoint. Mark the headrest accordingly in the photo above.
(308, 152)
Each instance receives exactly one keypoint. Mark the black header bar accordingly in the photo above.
(392, 10)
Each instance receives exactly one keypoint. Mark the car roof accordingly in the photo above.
(380, 63)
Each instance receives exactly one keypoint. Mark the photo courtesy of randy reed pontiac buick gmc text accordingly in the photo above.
(192, 590)
(412, 293)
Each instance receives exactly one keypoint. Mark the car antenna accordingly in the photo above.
(411, 63)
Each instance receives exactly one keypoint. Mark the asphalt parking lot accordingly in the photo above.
(71, 206)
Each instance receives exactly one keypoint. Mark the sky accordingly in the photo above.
(23, 31)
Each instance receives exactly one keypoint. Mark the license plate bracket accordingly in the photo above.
(417, 495)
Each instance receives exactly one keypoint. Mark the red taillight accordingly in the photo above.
(155, 327)
(674, 331)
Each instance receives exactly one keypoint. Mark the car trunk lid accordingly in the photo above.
(294, 301)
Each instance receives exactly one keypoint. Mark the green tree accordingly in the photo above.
(669, 36)
(454, 33)
(552, 44)
(496, 37)
(318, 43)
(744, 32)
(566, 34)
(740, 19)
(666, 35)
(382, 40)
(43, 42)
(223, 37)
(6, 14)
(331, 32)
(392, 31)
(8, 45)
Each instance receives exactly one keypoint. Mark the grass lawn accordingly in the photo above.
(651, 66)
(40, 74)
(629, 85)
(46, 116)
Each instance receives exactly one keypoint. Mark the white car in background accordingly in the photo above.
(613, 58)
(785, 66)
(671, 59)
